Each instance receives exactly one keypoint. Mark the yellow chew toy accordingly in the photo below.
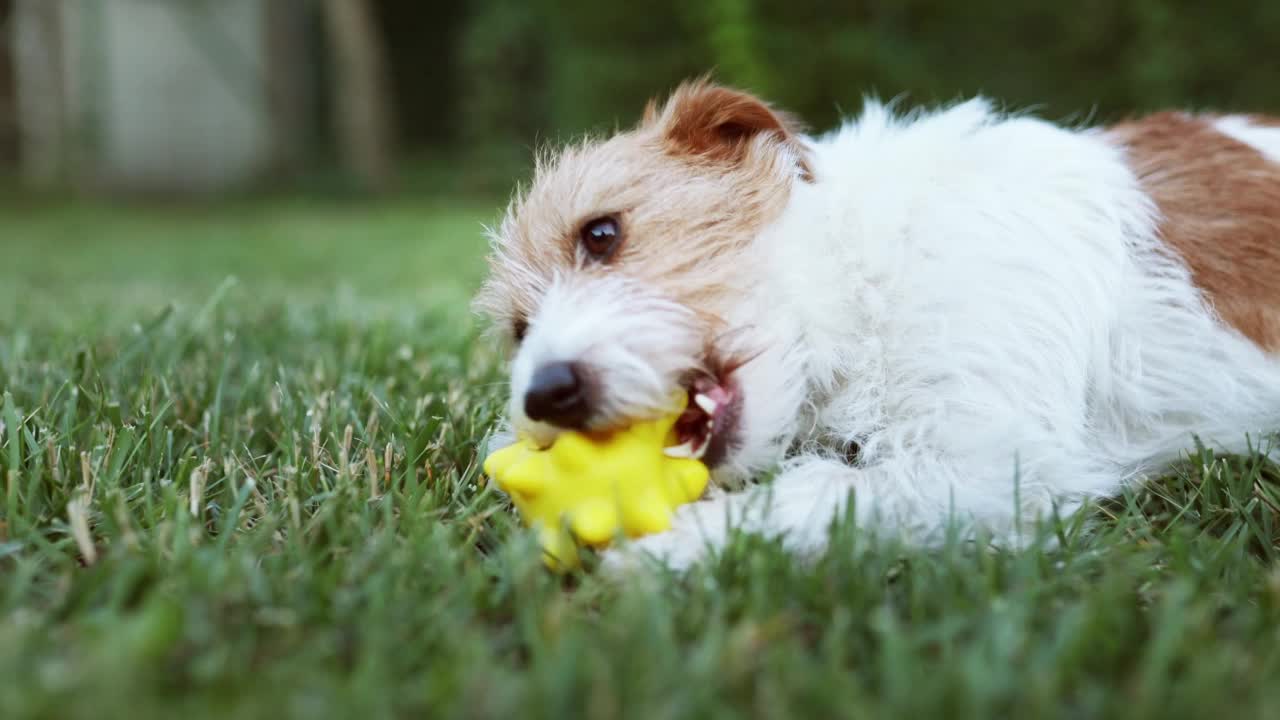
(591, 487)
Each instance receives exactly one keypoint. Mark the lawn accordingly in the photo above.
(239, 463)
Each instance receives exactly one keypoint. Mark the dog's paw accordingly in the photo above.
(697, 530)
(664, 551)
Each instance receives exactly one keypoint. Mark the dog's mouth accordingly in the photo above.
(705, 430)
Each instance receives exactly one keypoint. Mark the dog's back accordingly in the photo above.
(1215, 182)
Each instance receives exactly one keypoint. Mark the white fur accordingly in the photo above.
(980, 302)
(1265, 140)
(636, 343)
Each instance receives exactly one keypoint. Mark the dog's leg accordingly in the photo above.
(798, 507)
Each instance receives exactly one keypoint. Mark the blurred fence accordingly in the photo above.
(174, 95)
(206, 94)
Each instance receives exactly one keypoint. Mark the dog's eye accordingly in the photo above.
(519, 328)
(600, 237)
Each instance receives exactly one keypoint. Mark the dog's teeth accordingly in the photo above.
(684, 450)
(707, 404)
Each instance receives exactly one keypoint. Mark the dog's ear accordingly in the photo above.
(718, 123)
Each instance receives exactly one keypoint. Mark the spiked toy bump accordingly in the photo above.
(588, 489)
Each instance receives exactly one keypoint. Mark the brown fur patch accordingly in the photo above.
(1264, 120)
(717, 122)
(1219, 201)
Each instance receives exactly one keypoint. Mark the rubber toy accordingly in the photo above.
(593, 487)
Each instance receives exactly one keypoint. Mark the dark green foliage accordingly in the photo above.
(541, 70)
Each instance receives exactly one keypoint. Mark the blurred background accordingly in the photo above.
(152, 148)
(199, 96)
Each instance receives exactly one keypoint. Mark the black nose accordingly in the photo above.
(557, 395)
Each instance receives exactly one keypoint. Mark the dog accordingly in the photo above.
(940, 318)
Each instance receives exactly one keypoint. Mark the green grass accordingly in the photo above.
(320, 417)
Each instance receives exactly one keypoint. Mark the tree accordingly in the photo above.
(36, 39)
(362, 108)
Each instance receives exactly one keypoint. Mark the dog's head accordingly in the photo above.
(628, 273)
